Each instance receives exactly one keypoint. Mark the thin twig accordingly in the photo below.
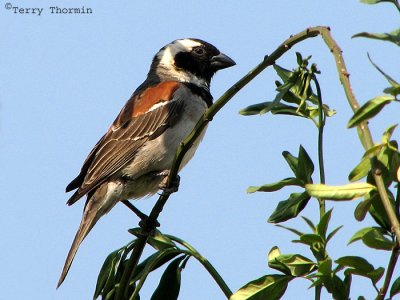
(122, 291)
(321, 125)
(318, 290)
(389, 273)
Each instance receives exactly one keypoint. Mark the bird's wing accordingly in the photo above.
(145, 116)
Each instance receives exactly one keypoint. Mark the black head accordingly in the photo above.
(190, 60)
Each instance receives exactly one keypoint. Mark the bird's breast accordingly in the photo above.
(158, 154)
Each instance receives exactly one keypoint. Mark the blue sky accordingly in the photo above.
(65, 77)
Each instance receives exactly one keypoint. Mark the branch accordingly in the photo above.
(365, 133)
(389, 273)
(321, 125)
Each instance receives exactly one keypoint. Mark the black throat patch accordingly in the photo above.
(202, 92)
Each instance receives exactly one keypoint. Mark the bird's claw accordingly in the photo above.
(173, 187)
(148, 225)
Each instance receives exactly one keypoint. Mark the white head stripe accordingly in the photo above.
(187, 43)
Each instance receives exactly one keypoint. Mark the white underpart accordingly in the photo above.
(167, 62)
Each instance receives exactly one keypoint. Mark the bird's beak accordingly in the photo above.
(222, 61)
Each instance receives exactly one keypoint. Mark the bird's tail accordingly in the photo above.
(96, 206)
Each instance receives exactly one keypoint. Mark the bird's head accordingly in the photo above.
(189, 60)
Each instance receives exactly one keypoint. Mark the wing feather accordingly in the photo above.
(145, 116)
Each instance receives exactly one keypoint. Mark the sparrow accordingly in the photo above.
(134, 156)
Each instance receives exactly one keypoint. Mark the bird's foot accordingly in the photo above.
(174, 183)
(148, 225)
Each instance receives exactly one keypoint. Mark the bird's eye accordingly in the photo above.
(199, 51)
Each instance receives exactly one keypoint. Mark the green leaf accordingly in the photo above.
(331, 235)
(107, 275)
(283, 73)
(325, 267)
(361, 170)
(377, 274)
(387, 135)
(378, 211)
(111, 271)
(329, 112)
(276, 109)
(295, 231)
(137, 231)
(310, 239)
(305, 166)
(292, 264)
(292, 161)
(170, 282)
(384, 164)
(272, 187)
(289, 208)
(333, 284)
(274, 253)
(355, 262)
(339, 193)
(374, 275)
(375, 239)
(322, 226)
(395, 289)
(289, 96)
(310, 224)
(393, 36)
(284, 89)
(362, 209)
(347, 283)
(299, 58)
(373, 151)
(361, 137)
(360, 234)
(370, 109)
(254, 109)
(392, 90)
(391, 81)
(373, 1)
(336, 287)
(160, 241)
(271, 287)
(155, 261)
(152, 265)
(283, 109)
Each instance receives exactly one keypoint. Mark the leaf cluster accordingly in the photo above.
(168, 250)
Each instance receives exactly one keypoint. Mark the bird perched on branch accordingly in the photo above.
(135, 155)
